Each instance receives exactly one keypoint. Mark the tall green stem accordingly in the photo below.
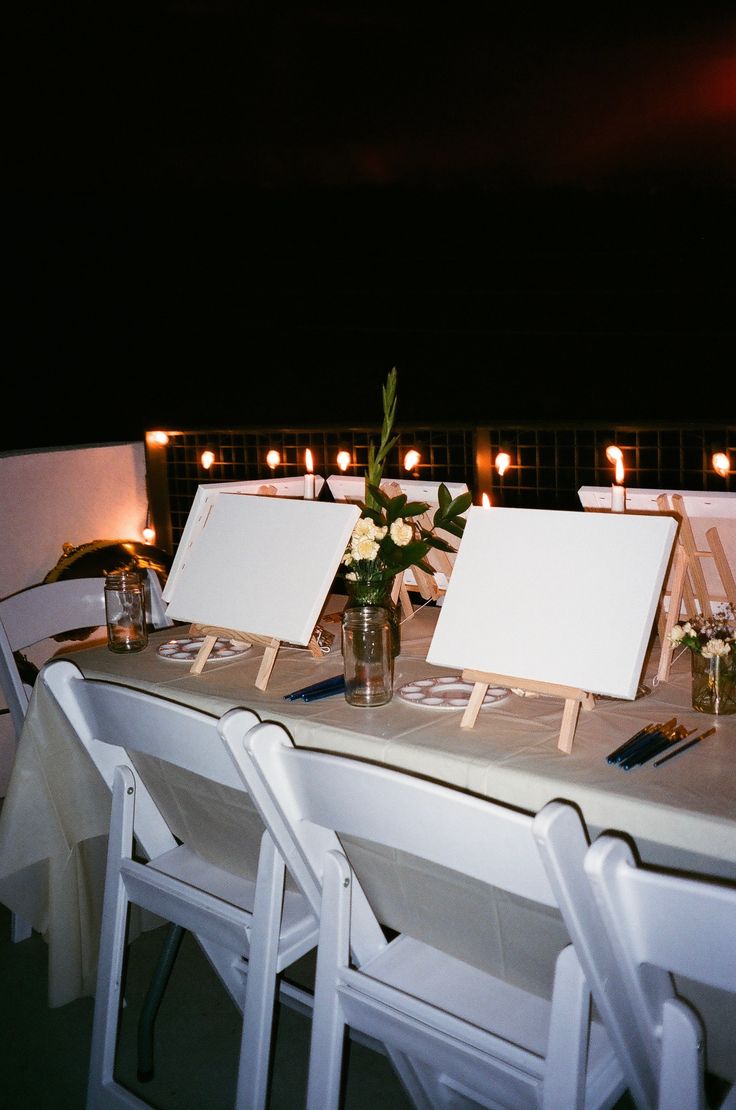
(376, 460)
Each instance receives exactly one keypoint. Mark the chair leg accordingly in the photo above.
(153, 999)
(112, 943)
(327, 1049)
(260, 987)
(567, 1046)
(681, 1080)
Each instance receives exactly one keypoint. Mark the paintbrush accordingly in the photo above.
(683, 748)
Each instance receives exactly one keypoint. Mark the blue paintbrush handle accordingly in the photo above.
(641, 745)
(328, 692)
(647, 752)
(326, 684)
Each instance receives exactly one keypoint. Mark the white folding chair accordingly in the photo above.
(457, 1035)
(635, 927)
(51, 609)
(39, 613)
(147, 749)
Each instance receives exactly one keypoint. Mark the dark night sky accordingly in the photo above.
(244, 214)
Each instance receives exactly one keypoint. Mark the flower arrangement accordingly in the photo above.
(710, 637)
(713, 658)
(389, 536)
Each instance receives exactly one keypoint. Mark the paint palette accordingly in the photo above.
(184, 649)
(448, 692)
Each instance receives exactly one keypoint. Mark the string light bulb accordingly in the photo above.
(159, 438)
(503, 462)
(273, 458)
(411, 459)
(148, 533)
(721, 463)
(343, 460)
(206, 459)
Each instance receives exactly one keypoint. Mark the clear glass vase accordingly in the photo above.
(714, 683)
(367, 656)
(377, 594)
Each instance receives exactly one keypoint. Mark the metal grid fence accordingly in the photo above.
(548, 463)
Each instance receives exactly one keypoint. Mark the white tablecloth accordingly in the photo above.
(54, 818)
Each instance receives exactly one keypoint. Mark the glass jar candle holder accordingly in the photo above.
(125, 610)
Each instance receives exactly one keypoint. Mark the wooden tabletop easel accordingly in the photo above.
(574, 698)
(688, 587)
(270, 643)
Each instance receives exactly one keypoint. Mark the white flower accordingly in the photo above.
(351, 576)
(401, 532)
(687, 629)
(364, 527)
(677, 634)
(363, 547)
(716, 647)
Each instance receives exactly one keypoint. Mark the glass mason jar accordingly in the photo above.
(714, 683)
(367, 656)
(378, 594)
(125, 609)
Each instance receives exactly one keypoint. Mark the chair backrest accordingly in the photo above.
(52, 609)
(309, 799)
(660, 924)
(115, 723)
(634, 927)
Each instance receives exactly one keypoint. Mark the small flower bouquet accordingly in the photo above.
(390, 536)
(711, 643)
(708, 636)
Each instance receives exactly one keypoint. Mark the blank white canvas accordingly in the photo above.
(346, 487)
(561, 597)
(205, 497)
(715, 509)
(261, 564)
(270, 487)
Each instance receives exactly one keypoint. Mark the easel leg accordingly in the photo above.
(203, 654)
(722, 565)
(474, 703)
(673, 614)
(569, 721)
(269, 658)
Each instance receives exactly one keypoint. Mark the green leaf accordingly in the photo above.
(415, 508)
(395, 507)
(453, 511)
(443, 498)
(376, 459)
(439, 543)
(454, 527)
(410, 555)
(380, 497)
(460, 505)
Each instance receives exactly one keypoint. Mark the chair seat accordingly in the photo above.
(298, 928)
(465, 993)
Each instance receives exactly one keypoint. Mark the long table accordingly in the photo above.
(683, 815)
